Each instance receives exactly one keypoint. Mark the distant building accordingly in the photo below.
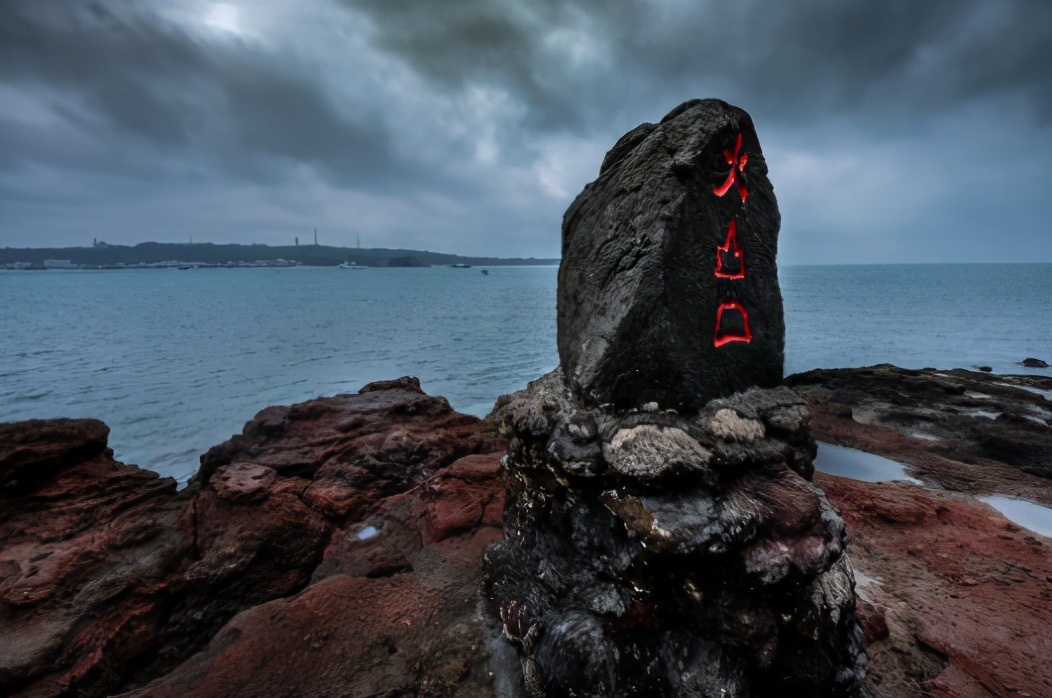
(59, 264)
(99, 243)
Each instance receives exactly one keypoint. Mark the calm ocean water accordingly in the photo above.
(177, 361)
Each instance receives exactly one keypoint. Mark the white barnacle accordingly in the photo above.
(727, 424)
(651, 452)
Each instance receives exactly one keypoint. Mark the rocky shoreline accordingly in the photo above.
(954, 599)
(336, 547)
(959, 430)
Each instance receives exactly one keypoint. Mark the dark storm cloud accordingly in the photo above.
(794, 60)
(508, 44)
(469, 125)
(881, 119)
(117, 71)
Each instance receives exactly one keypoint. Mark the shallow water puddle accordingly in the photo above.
(864, 585)
(867, 467)
(859, 465)
(366, 533)
(1027, 514)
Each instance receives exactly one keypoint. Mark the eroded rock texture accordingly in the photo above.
(661, 534)
(958, 429)
(340, 537)
(649, 553)
(668, 288)
(953, 598)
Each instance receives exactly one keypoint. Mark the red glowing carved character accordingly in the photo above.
(730, 263)
(737, 161)
(726, 334)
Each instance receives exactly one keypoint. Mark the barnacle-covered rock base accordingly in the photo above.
(651, 553)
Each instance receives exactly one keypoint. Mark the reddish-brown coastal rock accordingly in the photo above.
(109, 578)
(245, 584)
(954, 599)
(391, 610)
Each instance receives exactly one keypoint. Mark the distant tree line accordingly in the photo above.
(207, 253)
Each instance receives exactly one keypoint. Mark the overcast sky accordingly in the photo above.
(895, 131)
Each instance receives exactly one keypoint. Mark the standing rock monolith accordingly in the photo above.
(668, 287)
(662, 536)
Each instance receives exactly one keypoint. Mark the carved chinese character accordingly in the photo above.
(732, 324)
(730, 262)
(639, 291)
(737, 160)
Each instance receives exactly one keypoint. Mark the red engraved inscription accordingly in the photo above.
(737, 161)
(730, 263)
(732, 324)
(732, 319)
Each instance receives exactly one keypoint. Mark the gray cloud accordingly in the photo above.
(468, 126)
(794, 60)
(124, 72)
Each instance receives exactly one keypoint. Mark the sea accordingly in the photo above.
(176, 361)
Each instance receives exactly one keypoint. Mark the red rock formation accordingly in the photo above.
(109, 578)
(85, 544)
(954, 599)
(391, 610)
(243, 584)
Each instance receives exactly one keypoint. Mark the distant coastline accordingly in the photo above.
(165, 255)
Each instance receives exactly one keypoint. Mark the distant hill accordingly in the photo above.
(208, 253)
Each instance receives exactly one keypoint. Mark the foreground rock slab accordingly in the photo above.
(953, 598)
(964, 431)
(393, 608)
(109, 578)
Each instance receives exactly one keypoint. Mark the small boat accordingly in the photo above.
(350, 265)
(460, 265)
(485, 272)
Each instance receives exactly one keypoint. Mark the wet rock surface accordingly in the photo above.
(668, 288)
(110, 578)
(964, 431)
(686, 556)
(953, 598)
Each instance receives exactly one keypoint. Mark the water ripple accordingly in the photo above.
(177, 363)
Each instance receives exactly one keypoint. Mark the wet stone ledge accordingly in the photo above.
(649, 553)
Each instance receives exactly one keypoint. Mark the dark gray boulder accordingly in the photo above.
(668, 288)
(662, 536)
(693, 556)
